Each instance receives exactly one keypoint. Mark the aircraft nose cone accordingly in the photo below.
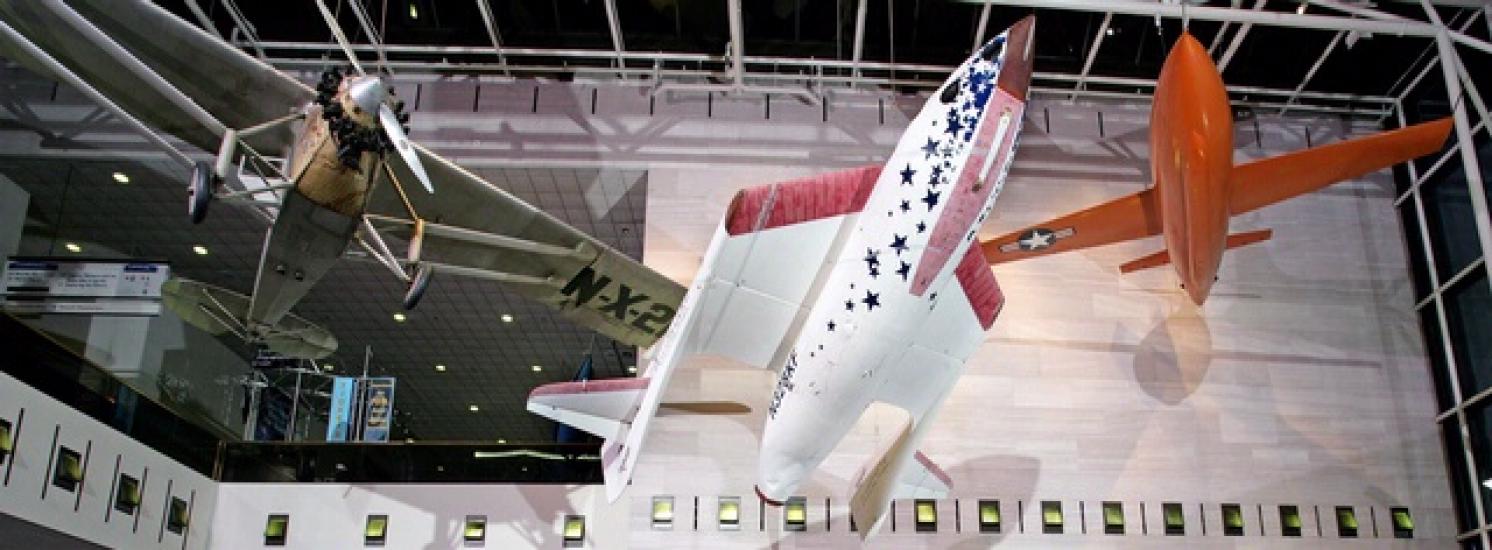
(367, 93)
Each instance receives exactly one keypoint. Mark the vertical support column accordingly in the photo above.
(859, 40)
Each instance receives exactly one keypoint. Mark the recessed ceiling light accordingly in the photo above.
(1300, 10)
(631, 369)
(121, 177)
(200, 250)
(507, 318)
(409, 440)
(73, 247)
(502, 442)
(399, 317)
(328, 367)
(473, 408)
(414, 11)
(440, 368)
(1110, 31)
(538, 368)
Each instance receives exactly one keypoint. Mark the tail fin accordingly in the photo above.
(605, 408)
(1162, 258)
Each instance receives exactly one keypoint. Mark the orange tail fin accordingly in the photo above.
(1162, 258)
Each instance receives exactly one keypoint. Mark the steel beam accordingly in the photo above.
(1103, 29)
(1243, 30)
(373, 37)
(737, 45)
(615, 25)
(243, 26)
(859, 48)
(492, 33)
(979, 32)
(1449, 59)
(202, 18)
(26, 47)
(1204, 13)
(1335, 40)
(1431, 65)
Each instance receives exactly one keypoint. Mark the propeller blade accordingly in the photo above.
(391, 127)
(331, 22)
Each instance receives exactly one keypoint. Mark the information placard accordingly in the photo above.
(96, 287)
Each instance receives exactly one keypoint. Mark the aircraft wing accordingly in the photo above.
(234, 88)
(1264, 182)
(1132, 217)
(477, 229)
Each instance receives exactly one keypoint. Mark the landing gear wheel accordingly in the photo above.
(199, 191)
(417, 286)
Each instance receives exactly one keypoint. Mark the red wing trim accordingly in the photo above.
(932, 468)
(590, 386)
(980, 287)
(797, 201)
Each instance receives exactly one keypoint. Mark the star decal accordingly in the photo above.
(933, 297)
(871, 259)
(936, 177)
(831, 325)
(849, 305)
(921, 227)
(953, 123)
(871, 300)
(906, 205)
(899, 243)
(931, 199)
(930, 149)
(905, 269)
(906, 175)
(874, 272)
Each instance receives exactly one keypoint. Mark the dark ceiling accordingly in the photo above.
(937, 32)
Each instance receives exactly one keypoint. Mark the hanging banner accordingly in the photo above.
(339, 418)
(93, 287)
(380, 411)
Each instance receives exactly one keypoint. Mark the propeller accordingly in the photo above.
(388, 120)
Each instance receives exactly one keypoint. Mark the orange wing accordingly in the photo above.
(1133, 217)
(1268, 181)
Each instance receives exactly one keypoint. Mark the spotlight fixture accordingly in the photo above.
(73, 247)
(400, 317)
(473, 408)
(121, 178)
(200, 250)
(507, 318)
(538, 368)
(440, 368)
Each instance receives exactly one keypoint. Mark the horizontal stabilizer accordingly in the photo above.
(922, 478)
(1162, 258)
(218, 311)
(599, 407)
(881, 480)
(1267, 181)
(708, 408)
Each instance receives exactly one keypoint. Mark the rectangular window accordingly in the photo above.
(795, 514)
(1289, 520)
(1175, 520)
(1051, 516)
(178, 517)
(376, 531)
(728, 513)
(927, 516)
(1403, 523)
(475, 530)
(1113, 518)
(276, 529)
(574, 531)
(1346, 522)
(989, 516)
(127, 494)
(6, 446)
(1232, 520)
(69, 470)
(663, 513)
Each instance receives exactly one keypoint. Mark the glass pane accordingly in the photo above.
(1468, 315)
(1435, 349)
(1455, 461)
(1414, 247)
(1450, 220)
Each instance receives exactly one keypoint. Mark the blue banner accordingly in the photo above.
(380, 411)
(339, 418)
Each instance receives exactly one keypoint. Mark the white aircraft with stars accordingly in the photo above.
(862, 286)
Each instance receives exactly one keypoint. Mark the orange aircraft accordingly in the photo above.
(1197, 186)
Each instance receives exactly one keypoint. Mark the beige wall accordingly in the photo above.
(1302, 381)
